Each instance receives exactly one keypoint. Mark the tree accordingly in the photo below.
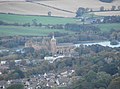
(20, 73)
(113, 8)
(29, 50)
(49, 13)
(114, 42)
(110, 68)
(92, 80)
(91, 76)
(40, 24)
(102, 8)
(80, 11)
(103, 80)
(119, 8)
(26, 24)
(43, 53)
(87, 9)
(17, 74)
(34, 22)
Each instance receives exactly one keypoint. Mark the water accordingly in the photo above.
(103, 43)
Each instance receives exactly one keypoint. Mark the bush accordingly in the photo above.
(114, 42)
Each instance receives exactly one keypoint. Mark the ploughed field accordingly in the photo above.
(56, 7)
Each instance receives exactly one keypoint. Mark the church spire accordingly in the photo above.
(53, 45)
(53, 37)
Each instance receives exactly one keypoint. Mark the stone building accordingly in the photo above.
(52, 46)
(38, 45)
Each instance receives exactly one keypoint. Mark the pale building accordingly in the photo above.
(53, 45)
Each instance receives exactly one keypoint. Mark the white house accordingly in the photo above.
(3, 62)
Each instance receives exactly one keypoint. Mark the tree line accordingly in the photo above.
(34, 23)
(111, 19)
(81, 27)
(81, 10)
(113, 8)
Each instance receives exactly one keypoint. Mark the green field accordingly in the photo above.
(107, 27)
(37, 31)
(31, 31)
(28, 31)
(21, 19)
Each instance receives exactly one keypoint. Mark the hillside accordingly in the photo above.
(44, 6)
(29, 8)
(73, 5)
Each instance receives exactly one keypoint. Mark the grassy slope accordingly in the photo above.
(40, 19)
(28, 31)
(36, 31)
(31, 31)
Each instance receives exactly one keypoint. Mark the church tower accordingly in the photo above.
(53, 45)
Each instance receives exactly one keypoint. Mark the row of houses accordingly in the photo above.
(46, 80)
